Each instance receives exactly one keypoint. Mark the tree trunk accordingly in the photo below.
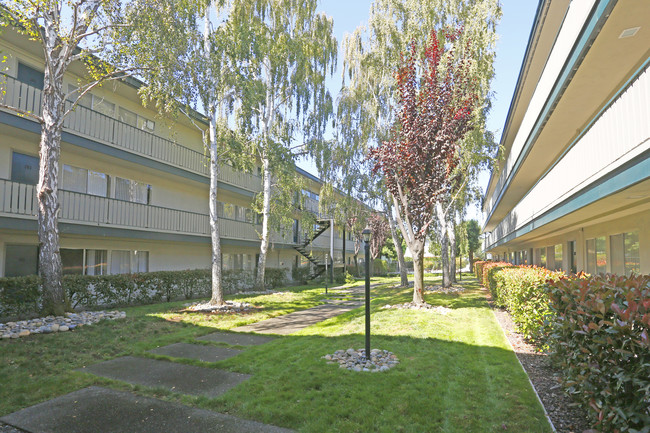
(471, 261)
(418, 272)
(54, 298)
(356, 264)
(266, 212)
(217, 289)
(398, 248)
(451, 235)
(444, 250)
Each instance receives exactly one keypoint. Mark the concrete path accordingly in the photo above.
(200, 352)
(182, 378)
(341, 300)
(236, 339)
(290, 323)
(97, 409)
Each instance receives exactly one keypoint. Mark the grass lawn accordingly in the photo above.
(456, 372)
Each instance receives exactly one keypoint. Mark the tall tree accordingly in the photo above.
(83, 31)
(366, 107)
(473, 231)
(293, 51)
(397, 241)
(200, 65)
(436, 97)
(378, 225)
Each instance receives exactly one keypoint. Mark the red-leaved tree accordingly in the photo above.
(436, 98)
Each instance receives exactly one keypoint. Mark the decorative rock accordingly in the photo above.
(49, 324)
(355, 360)
(230, 307)
(445, 290)
(413, 306)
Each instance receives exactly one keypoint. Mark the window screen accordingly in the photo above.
(24, 168)
(21, 260)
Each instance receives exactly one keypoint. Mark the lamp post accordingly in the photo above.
(366, 238)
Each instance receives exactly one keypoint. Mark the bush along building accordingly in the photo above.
(572, 188)
(133, 187)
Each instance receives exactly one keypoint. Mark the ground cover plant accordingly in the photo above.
(456, 372)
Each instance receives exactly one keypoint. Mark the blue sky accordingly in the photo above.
(513, 31)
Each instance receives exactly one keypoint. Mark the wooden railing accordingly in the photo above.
(20, 199)
(107, 130)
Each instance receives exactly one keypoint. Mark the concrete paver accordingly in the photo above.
(182, 378)
(97, 409)
(236, 339)
(200, 352)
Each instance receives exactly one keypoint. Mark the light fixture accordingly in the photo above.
(366, 234)
(628, 33)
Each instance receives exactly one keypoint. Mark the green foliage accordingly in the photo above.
(379, 268)
(300, 274)
(487, 276)
(22, 296)
(349, 278)
(521, 290)
(600, 341)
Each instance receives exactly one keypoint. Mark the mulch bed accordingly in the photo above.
(566, 415)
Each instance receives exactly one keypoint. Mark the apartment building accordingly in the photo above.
(133, 187)
(572, 189)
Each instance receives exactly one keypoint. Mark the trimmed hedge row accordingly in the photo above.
(597, 330)
(601, 341)
(21, 296)
(521, 290)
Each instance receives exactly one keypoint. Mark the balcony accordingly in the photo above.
(19, 200)
(104, 129)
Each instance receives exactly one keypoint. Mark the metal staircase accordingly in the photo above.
(319, 266)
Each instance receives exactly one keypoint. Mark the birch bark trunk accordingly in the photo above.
(266, 212)
(398, 248)
(217, 289)
(444, 245)
(451, 235)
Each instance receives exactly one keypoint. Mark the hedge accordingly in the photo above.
(21, 296)
(521, 290)
(601, 341)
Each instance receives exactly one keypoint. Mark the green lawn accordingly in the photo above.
(456, 372)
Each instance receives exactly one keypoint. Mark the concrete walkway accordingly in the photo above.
(97, 409)
(339, 300)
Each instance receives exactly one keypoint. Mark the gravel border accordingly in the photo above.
(566, 415)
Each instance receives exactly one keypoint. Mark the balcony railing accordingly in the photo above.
(112, 132)
(20, 199)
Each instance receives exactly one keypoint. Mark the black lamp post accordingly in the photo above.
(366, 238)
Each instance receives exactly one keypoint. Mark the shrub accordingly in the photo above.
(601, 342)
(522, 291)
(300, 274)
(488, 272)
(275, 277)
(478, 269)
(20, 295)
(379, 268)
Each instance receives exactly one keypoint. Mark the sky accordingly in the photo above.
(513, 31)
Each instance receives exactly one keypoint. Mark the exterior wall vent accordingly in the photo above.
(628, 33)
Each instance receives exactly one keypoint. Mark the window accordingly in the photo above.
(21, 260)
(624, 253)
(130, 118)
(229, 210)
(120, 262)
(96, 262)
(101, 105)
(596, 255)
(541, 253)
(558, 257)
(140, 261)
(30, 76)
(130, 190)
(24, 168)
(85, 181)
(85, 101)
(72, 261)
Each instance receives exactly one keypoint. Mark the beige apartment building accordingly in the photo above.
(572, 190)
(133, 187)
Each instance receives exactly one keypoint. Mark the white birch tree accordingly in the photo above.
(293, 51)
(84, 31)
